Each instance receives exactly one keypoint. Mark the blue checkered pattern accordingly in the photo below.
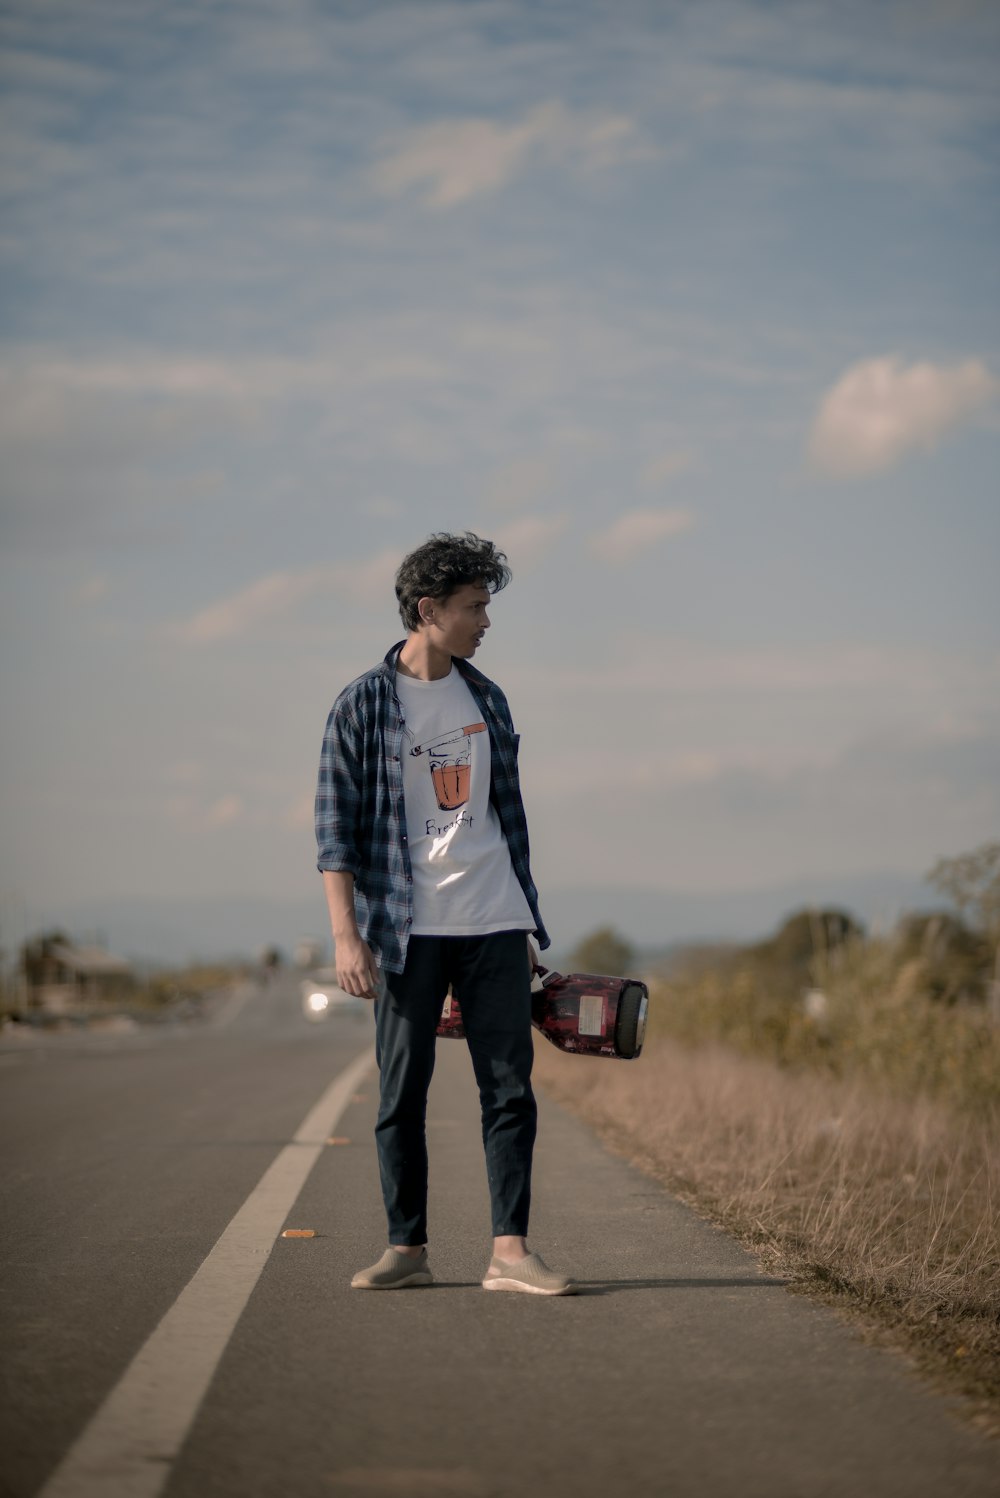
(360, 818)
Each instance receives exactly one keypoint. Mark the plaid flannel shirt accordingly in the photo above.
(360, 816)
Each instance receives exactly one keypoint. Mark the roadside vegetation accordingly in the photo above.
(187, 988)
(833, 1099)
(56, 982)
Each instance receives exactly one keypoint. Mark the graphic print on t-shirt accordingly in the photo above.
(463, 879)
(450, 760)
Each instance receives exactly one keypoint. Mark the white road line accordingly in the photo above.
(129, 1446)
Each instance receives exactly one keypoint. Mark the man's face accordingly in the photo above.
(460, 620)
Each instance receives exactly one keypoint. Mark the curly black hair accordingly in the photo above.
(442, 565)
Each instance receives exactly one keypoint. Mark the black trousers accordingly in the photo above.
(490, 978)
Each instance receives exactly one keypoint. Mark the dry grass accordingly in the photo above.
(878, 1023)
(888, 1205)
(190, 985)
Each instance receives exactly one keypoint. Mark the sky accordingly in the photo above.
(691, 307)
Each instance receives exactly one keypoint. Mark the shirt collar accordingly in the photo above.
(468, 671)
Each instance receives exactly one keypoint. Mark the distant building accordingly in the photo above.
(61, 975)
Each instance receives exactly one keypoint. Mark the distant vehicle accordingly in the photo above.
(309, 953)
(322, 996)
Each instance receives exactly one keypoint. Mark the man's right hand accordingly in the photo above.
(357, 970)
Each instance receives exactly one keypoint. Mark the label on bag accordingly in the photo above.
(591, 1020)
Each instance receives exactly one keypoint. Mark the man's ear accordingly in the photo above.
(425, 608)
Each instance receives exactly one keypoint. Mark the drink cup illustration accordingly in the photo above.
(451, 777)
(451, 765)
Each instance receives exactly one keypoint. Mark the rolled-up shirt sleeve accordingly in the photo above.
(339, 793)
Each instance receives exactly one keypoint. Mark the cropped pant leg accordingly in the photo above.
(491, 979)
(405, 1024)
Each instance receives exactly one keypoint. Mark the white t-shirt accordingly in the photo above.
(463, 882)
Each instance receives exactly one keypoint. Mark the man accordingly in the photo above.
(423, 847)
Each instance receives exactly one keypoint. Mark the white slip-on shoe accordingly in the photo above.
(532, 1276)
(394, 1271)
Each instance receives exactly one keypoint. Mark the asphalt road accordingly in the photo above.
(160, 1336)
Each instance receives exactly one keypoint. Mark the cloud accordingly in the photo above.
(371, 581)
(280, 593)
(881, 410)
(750, 825)
(227, 809)
(520, 481)
(637, 529)
(258, 603)
(593, 769)
(185, 772)
(300, 813)
(527, 540)
(38, 388)
(455, 160)
(673, 664)
(661, 470)
(93, 590)
(116, 450)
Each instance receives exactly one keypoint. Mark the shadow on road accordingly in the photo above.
(612, 1287)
